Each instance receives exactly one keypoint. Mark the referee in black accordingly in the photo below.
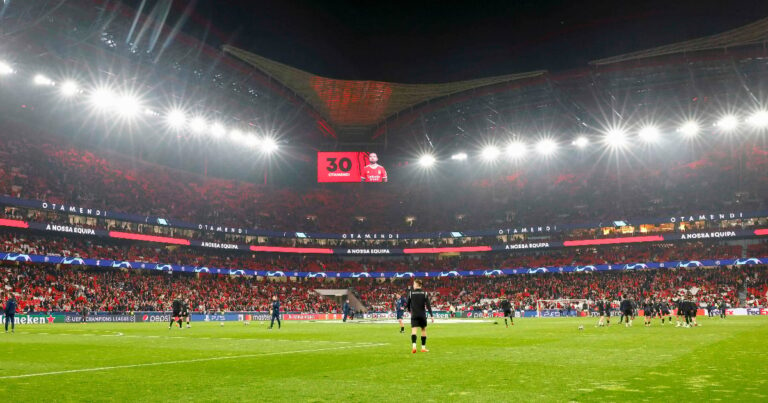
(418, 305)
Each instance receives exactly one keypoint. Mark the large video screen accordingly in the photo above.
(350, 166)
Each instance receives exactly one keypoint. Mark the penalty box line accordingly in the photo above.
(154, 364)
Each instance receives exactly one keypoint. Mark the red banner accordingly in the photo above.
(312, 316)
(340, 166)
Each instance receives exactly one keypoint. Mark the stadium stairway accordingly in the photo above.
(340, 294)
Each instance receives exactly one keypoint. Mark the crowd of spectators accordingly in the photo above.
(47, 288)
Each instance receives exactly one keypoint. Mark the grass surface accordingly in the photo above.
(536, 360)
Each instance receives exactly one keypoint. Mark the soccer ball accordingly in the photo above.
(222, 323)
(581, 327)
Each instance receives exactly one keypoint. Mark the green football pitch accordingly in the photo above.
(535, 360)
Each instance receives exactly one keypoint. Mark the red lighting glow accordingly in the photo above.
(148, 238)
(612, 241)
(353, 103)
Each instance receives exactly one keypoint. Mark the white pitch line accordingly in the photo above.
(154, 364)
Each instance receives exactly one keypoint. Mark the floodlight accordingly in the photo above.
(426, 160)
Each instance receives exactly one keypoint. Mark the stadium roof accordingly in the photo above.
(354, 104)
(751, 34)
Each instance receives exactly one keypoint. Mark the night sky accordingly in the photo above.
(438, 41)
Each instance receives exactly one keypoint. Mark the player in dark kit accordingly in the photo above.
(10, 313)
(604, 310)
(400, 303)
(275, 312)
(693, 307)
(662, 309)
(176, 315)
(506, 307)
(185, 311)
(723, 308)
(627, 309)
(345, 309)
(418, 305)
(680, 310)
(648, 311)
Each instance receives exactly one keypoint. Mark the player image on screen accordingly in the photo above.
(373, 172)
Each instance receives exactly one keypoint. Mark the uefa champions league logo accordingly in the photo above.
(275, 274)
(635, 266)
(233, 272)
(692, 263)
(73, 261)
(538, 270)
(407, 274)
(202, 270)
(363, 274)
(493, 273)
(752, 260)
(452, 273)
(121, 265)
(18, 257)
(316, 275)
(585, 268)
(164, 267)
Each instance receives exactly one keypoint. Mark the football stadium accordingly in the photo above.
(343, 201)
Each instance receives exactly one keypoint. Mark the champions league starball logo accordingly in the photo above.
(407, 274)
(164, 267)
(635, 266)
(692, 263)
(122, 265)
(358, 275)
(752, 260)
(538, 270)
(493, 273)
(18, 257)
(316, 275)
(234, 272)
(73, 260)
(202, 270)
(452, 273)
(585, 268)
(275, 274)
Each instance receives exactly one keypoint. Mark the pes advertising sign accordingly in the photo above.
(352, 166)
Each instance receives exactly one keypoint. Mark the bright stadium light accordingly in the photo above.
(616, 138)
(251, 140)
(489, 153)
(689, 129)
(128, 105)
(728, 123)
(269, 145)
(103, 98)
(218, 130)
(649, 134)
(546, 147)
(40, 79)
(758, 119)
(175, 119)
(5, 68)
(459, 157)
(69, 88)
(581, 142)
(516, 149)
(236, 136)
(198, 124)
(426, 160)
